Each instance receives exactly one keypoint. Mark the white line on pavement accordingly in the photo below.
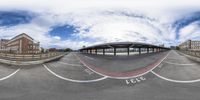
(69, 64)
(124, 77)
(178, 63)
(89, 58)
(176, 81)
(10, 75)
(72, 80)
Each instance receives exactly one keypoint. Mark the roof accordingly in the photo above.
(121, 45)
(21, 35)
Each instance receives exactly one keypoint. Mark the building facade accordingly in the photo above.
(190, 45)
(22, 44)
(3, 45)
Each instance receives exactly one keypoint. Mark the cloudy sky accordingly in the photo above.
(74, 23)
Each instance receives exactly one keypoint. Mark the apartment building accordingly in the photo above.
(22, 44)
(190, 45)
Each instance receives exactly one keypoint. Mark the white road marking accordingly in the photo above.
(135, 80)
(72, 80)
(124, 77)
(90, 58)
(176, 81)
(68, 59)
(69, 64)
(89, 71)
(179, 64)
(10, 75)
(160, 66)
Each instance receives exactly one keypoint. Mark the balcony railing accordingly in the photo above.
(30, 57)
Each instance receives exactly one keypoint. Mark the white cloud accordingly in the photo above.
(191, 31)
(103, 26)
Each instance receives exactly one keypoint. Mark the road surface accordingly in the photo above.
(69, 79)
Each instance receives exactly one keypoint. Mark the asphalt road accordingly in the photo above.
(69, 79)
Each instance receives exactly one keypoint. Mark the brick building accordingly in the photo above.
(3, 45)
(190, 45)
(22, 44)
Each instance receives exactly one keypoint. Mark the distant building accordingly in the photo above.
(190, 45)
(22, 44)
(3, 45)
(173, 47)
(52, 49)
(162, 45)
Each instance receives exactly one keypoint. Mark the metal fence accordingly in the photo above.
(192, 53)
(29, 57)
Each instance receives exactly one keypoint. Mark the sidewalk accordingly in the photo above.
(194, 57)
(29, 59)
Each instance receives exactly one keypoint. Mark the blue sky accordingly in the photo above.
(12, 18)
(64, 32)
(61, 25)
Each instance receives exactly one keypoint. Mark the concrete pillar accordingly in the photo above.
(147, 50)
(139, 50)
(114, 51)
(95, 51)
(128, 51)
(103, 51)
(90, 51)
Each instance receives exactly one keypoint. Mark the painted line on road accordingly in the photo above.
(89, 67)
(124, 77)
(4, 78)
(90, 58)
(69, 64)
(179, 64)
(72, 80)
(175, 81)
(68, 59)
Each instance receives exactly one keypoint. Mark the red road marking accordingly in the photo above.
(122, 74)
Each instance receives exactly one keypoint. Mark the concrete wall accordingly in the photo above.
(190, 57)
(31, 62)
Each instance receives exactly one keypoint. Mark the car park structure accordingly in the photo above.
(117, 47)
(70, 78)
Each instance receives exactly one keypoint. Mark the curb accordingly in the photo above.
(10, 62)
(190, 57)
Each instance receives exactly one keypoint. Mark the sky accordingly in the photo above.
(77, 23)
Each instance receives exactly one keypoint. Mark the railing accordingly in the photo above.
(29, 57)
(192, 53)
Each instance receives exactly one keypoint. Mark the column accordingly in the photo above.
(128, 51)
(139, 49)
(103, 51)
(147, 49)
(95, 51)
(114, 51)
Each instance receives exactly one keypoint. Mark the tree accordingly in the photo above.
(42, 50)
(67, 50)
